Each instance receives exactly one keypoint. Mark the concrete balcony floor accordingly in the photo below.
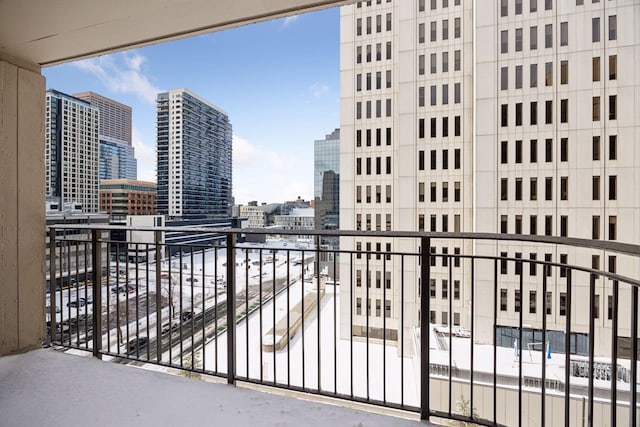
(48, 388)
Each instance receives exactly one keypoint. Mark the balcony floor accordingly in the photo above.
(48, 388)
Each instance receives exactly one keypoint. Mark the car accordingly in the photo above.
(186, 316)
(194, 280)
(81, 302)
(169, 327)
(137, 343)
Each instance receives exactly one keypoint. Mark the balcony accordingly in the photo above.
(350, 328)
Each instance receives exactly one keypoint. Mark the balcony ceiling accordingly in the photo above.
(46, 32)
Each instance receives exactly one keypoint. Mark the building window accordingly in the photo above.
(533, 75)
(504, 41)
(518, 39)
(595, 227)
(564, 72)
(445, 29)
(613, 147)
(613, 102)
(564, 149)
(533, 113)
(518, 151)
(433, 192)
(564, 190)
(516, 301)
(596, 148)
(533, 188)
(445, 288)
(595, 110)
(519, 114)
(613, 27)
(456, 191)
(504, 116)
(504, 78)
(613, 67)
(518, 188)
(564, 110)
(548, 150)
(564, 220)
(563, 304)
(456, 158)
(613, 184)
(504, 8)
(595, 188)
(548, 36)
(548, 74)
(518, 224)
(533, 267)
(532, 302)
(504, 189)
(548, 188)
(457, 32)
(456, 60)
(503, 299)
(564, 33)
(434, 31)
(533, 38)
(595, 30)
(533, 225)
(518, 76)
(548, 225)
(595, 69)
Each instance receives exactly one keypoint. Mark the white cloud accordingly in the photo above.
(146, 156)
(288, 20)
(318, 89)
(267, 176)
(122, 73)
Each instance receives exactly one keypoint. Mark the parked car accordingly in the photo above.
(80, 302)
(169, 327)
(186, 316)
(137, 343)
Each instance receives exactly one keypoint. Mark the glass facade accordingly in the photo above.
(117, 160)
(327, 181)
(194, 157)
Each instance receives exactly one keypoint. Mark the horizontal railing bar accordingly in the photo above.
(619, 247)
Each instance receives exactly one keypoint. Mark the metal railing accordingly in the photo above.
(277, 314)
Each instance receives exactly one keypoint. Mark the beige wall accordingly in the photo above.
(22, 211)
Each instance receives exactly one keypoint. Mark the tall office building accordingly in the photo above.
(117, 156)
(194, 157)
(515, 117)
(71, 150)
(115, 117)
(326, 181)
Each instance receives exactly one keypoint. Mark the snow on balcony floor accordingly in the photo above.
(49, 388)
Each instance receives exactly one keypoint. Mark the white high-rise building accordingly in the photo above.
(71, 150)
(517, 117)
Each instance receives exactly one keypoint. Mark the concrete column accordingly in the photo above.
(22, 210)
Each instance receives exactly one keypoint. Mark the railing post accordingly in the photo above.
(53, 326)
(231, 308)
(96, 291)
(158, 255)
(425, 278)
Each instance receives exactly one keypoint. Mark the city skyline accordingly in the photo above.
(278, 80)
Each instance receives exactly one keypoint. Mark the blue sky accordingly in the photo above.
(277, 80)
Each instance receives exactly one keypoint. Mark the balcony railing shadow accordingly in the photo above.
(358, 322)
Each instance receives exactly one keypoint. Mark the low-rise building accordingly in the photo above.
(122, 197)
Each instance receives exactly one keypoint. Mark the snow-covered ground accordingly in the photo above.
(301, 361)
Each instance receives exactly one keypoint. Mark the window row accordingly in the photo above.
(564, 224)
(433, 194)
(369, 3)
(548, 112)
(369, 136)
(444, 318)
(444, 289)
(377, 224)
(368, 169)
(433, 62)
(444, 223)
(533, 150)
(444, 100)
(378, 252)
(433, 34)
(369, 24)
(612, 149)
(445, 159)
(369, 83)
(613, 68)
(533, 188)
(612, 228)
(367, 276)
(444, 257)
(457, 127)
(596, 108)
(387, 308)
(548, 258)
(612, 187)
(378, 107)
(533, 37)
(434, 4)
(376, 198)
(533, 75)
(533, 6)
(595, 29)
(368, 52)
